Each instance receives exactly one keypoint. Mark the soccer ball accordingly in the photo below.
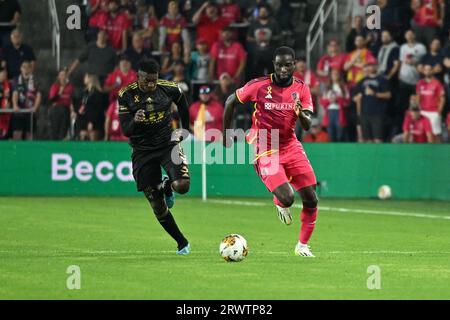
(384, 192)
(233, 248)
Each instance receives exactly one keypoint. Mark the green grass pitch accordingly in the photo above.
(123, 253)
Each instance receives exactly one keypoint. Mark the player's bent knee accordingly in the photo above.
(287, 199)
(156, 199)
(181, 186)
(309, 197)
(285, 195)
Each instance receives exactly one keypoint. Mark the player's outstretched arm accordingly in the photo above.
(230, 104)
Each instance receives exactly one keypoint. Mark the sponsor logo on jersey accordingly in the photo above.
(278, 106)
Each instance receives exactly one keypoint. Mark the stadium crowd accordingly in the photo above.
(380, 85)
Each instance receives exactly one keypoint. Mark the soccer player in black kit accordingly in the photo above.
(145, 117)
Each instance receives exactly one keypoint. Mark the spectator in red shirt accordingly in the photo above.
(60, 97)
(306, 75)
(431, 95)
(334, 100)
(209, 23)
(428, 18)
(113, 131)
(416, 127)
(173, 28)
(230, 11)
(206, 114)
(227, 56)
(119, 78)
(356, 60)
(5, 103)
(117, 26)
(334, 59)
(97, 19)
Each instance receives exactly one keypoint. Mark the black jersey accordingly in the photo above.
(156, 132)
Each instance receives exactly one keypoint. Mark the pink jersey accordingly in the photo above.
(118, 80)
(274, 108)
(115, 131)
(228, 59)
(429, 94)
(115, 28)
(418, 128)
(174, 28)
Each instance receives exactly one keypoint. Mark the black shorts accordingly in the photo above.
(147, 166)
(372, 127)
(22, 122)
(98, 123)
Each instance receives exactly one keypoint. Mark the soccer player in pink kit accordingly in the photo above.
(280, 161)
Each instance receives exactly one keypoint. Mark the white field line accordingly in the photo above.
(343, 210)
(195, 252)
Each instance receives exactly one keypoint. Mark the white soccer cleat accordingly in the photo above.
(302, 250)
(284, 214)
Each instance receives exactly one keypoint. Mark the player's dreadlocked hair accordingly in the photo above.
(149, 66)
(284, 51)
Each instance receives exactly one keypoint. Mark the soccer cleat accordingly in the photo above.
(185, 250)
(284, 214)
(302, 250)
(169, 196)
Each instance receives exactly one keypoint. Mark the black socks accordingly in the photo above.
(169, 224)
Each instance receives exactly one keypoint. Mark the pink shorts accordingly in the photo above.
(290, 164)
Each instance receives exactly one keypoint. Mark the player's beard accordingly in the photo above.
(283, 82)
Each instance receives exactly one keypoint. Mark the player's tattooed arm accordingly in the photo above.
(230, 104)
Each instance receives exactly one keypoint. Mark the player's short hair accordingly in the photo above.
(281, 51)
(149, 66)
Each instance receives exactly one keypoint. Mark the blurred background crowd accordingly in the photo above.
(377, 85)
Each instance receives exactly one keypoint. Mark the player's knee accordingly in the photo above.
(156, 199)
(181, 186)
(287, 199)
(311, 202)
